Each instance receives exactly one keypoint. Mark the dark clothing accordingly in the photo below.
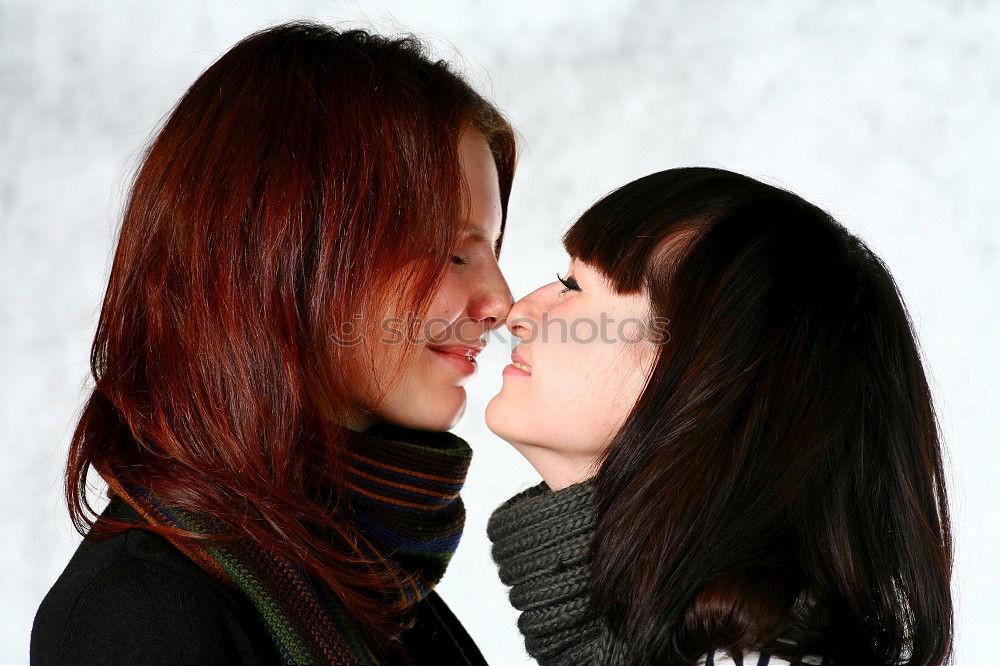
(541, 540)
(135, 598)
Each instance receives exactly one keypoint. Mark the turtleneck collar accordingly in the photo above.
(404, 486)
(540, 541)
(404, 494)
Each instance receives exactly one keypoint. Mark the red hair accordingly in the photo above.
(285, 193)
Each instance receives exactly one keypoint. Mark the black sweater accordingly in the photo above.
(135, 598)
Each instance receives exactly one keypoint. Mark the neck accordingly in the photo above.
(558, 469)
(359, 420)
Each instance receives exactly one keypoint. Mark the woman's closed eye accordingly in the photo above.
(569, 283)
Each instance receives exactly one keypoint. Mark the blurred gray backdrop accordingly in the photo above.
(885, 113)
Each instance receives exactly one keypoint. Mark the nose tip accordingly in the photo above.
(495, 312)
(519, 330)
(490, 323)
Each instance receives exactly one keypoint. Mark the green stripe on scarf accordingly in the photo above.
(404, 492)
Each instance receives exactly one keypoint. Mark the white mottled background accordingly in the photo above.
(885, 113)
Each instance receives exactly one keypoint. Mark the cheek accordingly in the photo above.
(449, 302)
(426, 397)
(578, 400)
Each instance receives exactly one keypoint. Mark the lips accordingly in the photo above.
(461, 358)
(520, 363)
(468, 352)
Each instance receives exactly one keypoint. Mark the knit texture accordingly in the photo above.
(540, 545)
(404, 490)
(541, 540)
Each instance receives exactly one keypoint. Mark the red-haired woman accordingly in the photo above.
(306, 269)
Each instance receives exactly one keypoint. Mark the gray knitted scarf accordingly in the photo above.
(540, 543)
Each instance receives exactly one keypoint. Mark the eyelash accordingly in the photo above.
(460, 261)
(569, 283)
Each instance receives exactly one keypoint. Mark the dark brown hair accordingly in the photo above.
(780, 478)
(287, 190)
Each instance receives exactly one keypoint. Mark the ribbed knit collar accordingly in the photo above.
(404, 487)
(404, 493)
(540, 541)
(540, 544)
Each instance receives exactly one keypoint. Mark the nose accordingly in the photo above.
(523, 315)
(492, 302)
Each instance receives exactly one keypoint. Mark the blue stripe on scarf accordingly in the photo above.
(443, 545)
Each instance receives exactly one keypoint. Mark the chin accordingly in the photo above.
(498, 419)
(442, 415)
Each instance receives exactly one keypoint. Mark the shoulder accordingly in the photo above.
(134, 597)
(437, 635)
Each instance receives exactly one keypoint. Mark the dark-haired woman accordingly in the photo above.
(741, 462)
(306, 270)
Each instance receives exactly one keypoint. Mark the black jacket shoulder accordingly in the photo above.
(135, 598)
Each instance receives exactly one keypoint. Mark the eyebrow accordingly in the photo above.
(476, 232)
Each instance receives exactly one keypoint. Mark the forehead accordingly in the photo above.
(580, 267)
(483, 208)
(595, 278)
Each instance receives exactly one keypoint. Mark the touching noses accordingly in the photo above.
(492, 303)
(524, 315)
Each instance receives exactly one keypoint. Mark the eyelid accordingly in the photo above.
(477, 242)
(569, 282)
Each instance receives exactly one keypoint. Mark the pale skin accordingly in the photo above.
(578, 391)
(473, 299)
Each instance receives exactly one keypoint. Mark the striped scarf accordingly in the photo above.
(404, 489)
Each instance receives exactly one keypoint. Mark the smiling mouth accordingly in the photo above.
(460, 357)
(518, 366)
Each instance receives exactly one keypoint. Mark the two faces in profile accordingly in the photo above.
(766, 477)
